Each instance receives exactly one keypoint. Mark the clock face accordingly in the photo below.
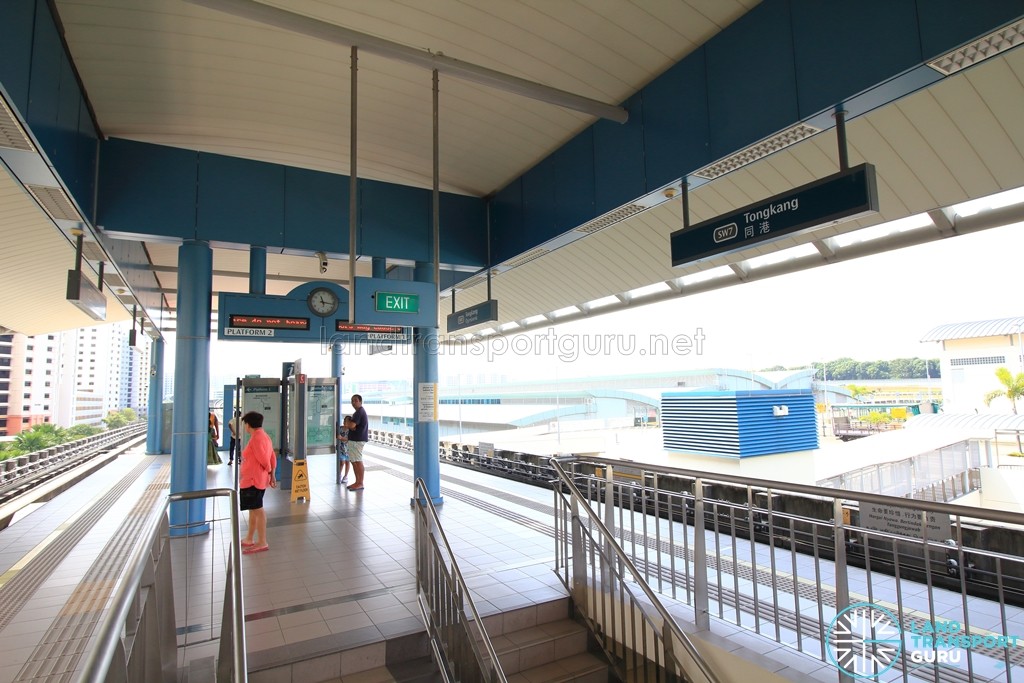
(865, 639)
(322, 301)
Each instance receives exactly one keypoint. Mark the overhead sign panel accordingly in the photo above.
(474, 315)
(86, 296)
(271, 322)
(289, 318)
(374, 335)
(844, 196)
(405, 303)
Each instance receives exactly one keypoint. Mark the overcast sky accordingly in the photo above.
(877, 307)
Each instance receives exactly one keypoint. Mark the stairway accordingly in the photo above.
(541, 644)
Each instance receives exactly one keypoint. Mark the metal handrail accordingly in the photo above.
(623, 560)
(108, 642)
(456, 595)
(822, 492)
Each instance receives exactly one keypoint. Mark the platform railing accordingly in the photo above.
(461, 646)
(787, 560)
(137, 640)
(641, 638)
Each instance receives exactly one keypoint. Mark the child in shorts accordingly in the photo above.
(346, 424)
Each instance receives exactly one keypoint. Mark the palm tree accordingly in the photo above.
(32, 441)
(1013, 388)
(55, 434)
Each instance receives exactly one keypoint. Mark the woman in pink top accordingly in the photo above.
(255, 475)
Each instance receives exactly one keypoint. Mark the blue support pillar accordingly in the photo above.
(379, 264)
(257, 270)
(336, 371)
(155, 411)
(426, 462)
(190, 431)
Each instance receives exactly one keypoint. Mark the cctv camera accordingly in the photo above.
(322, 258)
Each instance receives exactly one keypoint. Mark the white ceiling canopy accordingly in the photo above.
(175, 72)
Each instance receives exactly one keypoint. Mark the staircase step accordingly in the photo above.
(524, 617)
(538, 645)
(419, 670)
(581, 668)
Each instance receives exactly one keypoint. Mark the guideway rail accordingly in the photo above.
(21, 474)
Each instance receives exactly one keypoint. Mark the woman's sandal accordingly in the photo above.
(255, 549)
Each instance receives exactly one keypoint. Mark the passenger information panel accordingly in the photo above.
(319, 312)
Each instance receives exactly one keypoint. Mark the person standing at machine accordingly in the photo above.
(254, 476)
(358, 435)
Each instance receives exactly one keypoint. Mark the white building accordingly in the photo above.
(970, 353)
(100, 373)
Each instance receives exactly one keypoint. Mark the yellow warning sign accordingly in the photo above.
(300, 481)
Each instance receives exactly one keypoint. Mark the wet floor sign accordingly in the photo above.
(300, 481)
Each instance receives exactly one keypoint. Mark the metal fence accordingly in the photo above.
(790, 562)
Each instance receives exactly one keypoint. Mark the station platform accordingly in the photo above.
(334, 599)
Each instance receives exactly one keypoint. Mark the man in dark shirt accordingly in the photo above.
(358, 435)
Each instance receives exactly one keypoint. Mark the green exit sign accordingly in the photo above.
(392, 302)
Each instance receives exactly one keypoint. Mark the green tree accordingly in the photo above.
(55, 434)
(858, 391)
(115, 420)
(81, 431)
(120, 418)
(1013, 388)
(9, 450)
(32, 441)
(877, 417)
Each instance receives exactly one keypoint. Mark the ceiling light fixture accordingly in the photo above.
(760, 150)
(12, 133)
(994, 43)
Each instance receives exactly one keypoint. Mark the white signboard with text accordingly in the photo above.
(426, 402)
(904, 521)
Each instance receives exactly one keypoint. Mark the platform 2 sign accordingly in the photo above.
(843, 196)
(374, 335)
